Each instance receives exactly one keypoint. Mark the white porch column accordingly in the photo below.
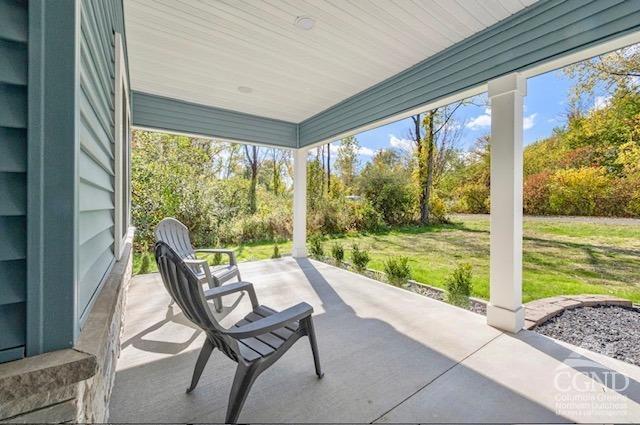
(505, 310)
(299, 203)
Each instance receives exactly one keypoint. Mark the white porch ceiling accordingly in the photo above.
(201, 51)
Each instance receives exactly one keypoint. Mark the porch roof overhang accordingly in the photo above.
(190, 63)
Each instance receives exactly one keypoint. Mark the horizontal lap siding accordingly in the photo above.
(13, 178)
(542, 32)
(100, 19)
(174, 115)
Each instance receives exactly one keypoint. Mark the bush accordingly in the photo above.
(364, 217)
(316, 248)
(459, 285)
(397, 270)
(474, 198)
(215, 259)
(581, 191)
(145, 264)
(437, 210)
(337, 252)
(360, 258)
(276, 251)
(536, 193)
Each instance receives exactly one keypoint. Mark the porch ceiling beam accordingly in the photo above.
(161, 113)
(545, 31)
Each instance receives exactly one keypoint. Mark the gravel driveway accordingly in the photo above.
(559, 219)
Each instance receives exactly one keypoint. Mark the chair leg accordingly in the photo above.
(244, 378)
(217, 303)
(314, 345)
(203, 358)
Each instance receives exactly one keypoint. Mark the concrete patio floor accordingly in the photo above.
(389, 355)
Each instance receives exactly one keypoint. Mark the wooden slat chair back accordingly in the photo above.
(255, 342)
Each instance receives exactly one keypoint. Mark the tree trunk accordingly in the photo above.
(328, 167)
(422, 163)
(426, 192)
(253, 174)
(276, 173)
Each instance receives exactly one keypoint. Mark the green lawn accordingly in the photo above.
(559, 258)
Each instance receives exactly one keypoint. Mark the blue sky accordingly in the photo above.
(545, 108)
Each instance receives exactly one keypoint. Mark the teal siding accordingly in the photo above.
(13, 177)
(100, 20)
(544, 31)
(174, 115)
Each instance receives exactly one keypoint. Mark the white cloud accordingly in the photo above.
(404, 144)
(529, 121)
(484, 120)
(361, 150)
(601, 102)
(365, 151)
(480, 121)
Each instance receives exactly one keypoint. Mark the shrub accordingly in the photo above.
(459, 285)
(397, 270)
(216, 259)
(581, 191)
(276, 251)
(536, 193)
(364, 216)
(329, 216)
(437, 210)
(316, 248)
(360, 258)
(474, 198)
(337, 252)
(145, 264)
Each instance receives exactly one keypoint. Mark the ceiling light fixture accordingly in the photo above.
(304, 22)
(244, 89)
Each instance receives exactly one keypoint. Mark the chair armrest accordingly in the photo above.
(204, 264)
(231, 253)
(273, 322)
(231, 288)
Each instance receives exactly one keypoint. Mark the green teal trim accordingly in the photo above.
(542, 32)
(35, 165)
(11, 354)
(53, 174)
(13, 177)
(162, 113)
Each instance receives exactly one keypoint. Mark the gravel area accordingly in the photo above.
(610, 330)
(474, 306)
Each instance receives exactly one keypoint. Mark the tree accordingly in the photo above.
(385, 182)
(347, 160)
(328, 167)
(619, 69)
(252, 157)
(432, 149)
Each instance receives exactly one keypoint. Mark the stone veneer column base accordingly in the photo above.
(72, 385)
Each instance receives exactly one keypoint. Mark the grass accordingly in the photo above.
(558, 258)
